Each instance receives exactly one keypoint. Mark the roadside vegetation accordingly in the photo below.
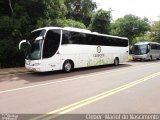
(19, 17)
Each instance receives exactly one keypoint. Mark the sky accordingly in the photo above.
(141, 8)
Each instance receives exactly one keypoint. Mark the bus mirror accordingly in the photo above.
(148, 48)
(39, 38)
(23, 41)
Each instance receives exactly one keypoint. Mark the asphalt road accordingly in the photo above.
(132, 87)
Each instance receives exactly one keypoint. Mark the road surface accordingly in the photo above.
(132, 88)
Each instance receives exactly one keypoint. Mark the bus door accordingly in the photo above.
(51, 57)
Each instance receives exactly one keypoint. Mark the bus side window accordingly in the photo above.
(158, 47)
(75, 39)
(65, 37)
(153, 46)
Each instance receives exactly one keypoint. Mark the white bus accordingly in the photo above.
(146, 51)
(56, 48)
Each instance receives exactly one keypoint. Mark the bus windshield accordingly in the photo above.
(140, 49)
(34, 52)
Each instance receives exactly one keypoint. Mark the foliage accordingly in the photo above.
(19, 17)
(69, 23)
(55, 9)
(143, 38)
(60, 23)
(130, 26)
(80, 10)
(16, 21)
(101, 22)
(155, 31)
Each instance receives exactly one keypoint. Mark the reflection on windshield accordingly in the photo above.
(140, 49)
(34, 52)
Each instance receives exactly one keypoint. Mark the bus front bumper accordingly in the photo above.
(33, 68)
(139, 57)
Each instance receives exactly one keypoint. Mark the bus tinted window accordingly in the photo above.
(155, 46)
(73, 38)
(158, 47)
(91, 39)
(51, 43)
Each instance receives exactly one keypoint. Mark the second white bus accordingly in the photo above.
(56, 48)
(146, 51)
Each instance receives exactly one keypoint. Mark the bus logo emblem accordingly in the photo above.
(98, 49)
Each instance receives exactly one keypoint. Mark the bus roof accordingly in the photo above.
(79, 30)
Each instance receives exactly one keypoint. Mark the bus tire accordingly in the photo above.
(67, 66)
(151, 58)
(158, 58)
(116, 61)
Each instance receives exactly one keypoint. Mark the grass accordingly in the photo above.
(130, 58)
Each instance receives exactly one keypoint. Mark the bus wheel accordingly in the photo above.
(67, 66)
(116, 61)
(151, 58)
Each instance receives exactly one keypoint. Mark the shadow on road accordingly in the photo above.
(37, 77)
(46, 76)
(13, 81)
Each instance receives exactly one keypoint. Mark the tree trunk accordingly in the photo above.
(10, 5)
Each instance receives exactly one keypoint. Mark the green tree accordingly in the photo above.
(19, 17)
(16, 21)
(80, 10)
(142, 38)
(155, 31)
(56, 13)
(130, 26)
(55, 9)
(60, 23)
(101, 22)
